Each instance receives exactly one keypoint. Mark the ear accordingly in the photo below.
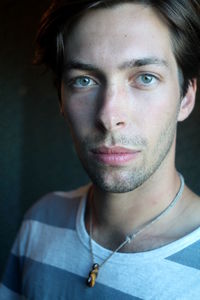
(61, 107)
(60, 95)
(188, 102)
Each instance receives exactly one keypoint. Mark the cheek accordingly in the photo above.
(78, 111)
(159, 113)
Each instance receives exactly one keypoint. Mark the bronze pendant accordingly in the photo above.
(93, 275)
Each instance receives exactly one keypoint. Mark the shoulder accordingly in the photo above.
(57, 208)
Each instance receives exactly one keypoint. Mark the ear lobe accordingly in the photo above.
(61, 108)
(188, 102)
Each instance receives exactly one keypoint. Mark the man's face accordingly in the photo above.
(121, 95)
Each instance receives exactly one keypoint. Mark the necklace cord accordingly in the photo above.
(131, 236)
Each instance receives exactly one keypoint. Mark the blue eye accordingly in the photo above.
(147, 79)
(82, 82)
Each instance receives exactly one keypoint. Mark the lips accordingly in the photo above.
(112, 150)
(114, 155)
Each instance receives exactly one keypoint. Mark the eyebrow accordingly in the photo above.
(143, 62)
(76, 65)
(134, 63)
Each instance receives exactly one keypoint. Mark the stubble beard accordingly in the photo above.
(124, 179)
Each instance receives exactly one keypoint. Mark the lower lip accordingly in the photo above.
(115, 159)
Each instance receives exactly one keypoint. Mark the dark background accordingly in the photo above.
(36, 152)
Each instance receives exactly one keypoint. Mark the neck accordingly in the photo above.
(114, 216)
(127, 211)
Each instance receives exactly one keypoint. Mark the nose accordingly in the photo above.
(113, 112)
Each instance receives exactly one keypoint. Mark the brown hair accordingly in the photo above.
(181, 16)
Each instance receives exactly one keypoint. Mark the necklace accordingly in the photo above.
(129, 238)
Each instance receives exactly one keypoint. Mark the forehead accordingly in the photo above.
(110, 36)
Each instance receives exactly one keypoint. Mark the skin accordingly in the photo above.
(121, 88)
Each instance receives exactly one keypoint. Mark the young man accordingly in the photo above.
(126, 74)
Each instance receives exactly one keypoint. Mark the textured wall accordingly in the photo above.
(36, 153)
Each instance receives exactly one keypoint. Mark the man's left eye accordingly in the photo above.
(146, 79)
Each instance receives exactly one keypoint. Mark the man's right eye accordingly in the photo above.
(82, 82)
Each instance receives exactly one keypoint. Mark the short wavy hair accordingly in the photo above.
(181, 16)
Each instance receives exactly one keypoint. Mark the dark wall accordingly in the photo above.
(36, 153)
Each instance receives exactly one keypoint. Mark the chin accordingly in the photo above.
(122, 183)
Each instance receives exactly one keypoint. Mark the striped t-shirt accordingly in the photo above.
(51, 260)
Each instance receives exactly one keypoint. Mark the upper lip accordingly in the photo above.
(113, 150)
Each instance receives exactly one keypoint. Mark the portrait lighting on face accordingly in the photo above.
(126, 75)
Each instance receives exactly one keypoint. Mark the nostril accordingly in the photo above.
(119, 123)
